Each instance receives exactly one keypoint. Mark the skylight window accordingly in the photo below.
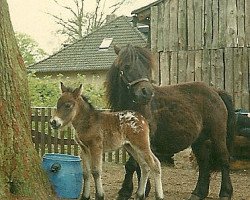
(105, 43)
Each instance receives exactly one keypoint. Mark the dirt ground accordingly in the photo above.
(178, 181)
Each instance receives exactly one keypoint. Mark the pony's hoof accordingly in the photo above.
(120, 197)
(194, 197)
(98, 197)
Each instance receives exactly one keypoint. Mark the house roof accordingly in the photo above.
(146, 7)
(85, 54)
(143, 14)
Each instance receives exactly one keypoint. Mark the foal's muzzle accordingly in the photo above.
(55, 124)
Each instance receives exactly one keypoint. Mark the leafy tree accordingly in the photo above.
(21, 175)
(30, 50)
(81, 23)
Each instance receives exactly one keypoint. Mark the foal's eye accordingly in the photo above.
(68, 105)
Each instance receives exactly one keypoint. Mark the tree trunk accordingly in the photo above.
(21, 176)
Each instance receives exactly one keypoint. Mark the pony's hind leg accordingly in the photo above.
(226, 189)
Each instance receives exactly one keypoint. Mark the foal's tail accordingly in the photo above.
(231, 121)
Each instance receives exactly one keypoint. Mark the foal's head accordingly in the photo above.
(67, 106)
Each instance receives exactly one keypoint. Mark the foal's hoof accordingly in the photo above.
(194, 197)
(85, 198)
(139, 197)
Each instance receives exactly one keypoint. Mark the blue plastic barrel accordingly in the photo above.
(65, 173)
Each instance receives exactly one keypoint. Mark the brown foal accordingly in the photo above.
(98, 132)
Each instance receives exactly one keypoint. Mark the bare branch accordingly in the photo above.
(81, 23)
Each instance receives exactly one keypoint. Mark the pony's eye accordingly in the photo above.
(68, 105)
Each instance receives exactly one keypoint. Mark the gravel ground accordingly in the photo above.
(178, 181)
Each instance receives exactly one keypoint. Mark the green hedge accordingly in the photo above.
(44, 92)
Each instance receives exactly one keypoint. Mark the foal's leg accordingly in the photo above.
(85, 155)
(138, 173)
(86, 176)
(144, 172)
(150, 160)
(96, 167)
(155, 167)
(86, 160)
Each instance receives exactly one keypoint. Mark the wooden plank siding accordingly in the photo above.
(198, 24)
(47, 140)
(204, 40)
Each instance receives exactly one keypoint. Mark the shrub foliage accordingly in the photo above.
(44, 92)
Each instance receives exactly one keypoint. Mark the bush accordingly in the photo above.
(44, 92)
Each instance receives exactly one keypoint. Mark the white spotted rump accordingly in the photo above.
(129, 118)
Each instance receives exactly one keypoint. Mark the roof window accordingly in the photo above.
(105, 43)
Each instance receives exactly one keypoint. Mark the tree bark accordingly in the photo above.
(21, 175)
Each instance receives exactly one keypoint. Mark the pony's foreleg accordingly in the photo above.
(127, 186)
(202, 151)
(96, 167)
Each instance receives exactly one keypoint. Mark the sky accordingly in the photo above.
(30, 17)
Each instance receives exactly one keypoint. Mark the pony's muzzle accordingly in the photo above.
(55, 124)
(144, 95)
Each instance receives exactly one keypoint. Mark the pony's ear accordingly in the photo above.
(78, 91)
(63, 88)
(117, 49)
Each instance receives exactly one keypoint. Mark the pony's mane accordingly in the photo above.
(85, 98)
(143, 54)
(114, 90)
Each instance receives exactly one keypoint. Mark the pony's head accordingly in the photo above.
(133, 68)
(66, 107)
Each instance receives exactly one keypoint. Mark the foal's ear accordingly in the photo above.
(78, 91)
(117, 49)
(63, 88)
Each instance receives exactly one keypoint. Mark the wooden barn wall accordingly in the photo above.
(203, 40)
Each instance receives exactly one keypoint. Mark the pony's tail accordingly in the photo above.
(231, 120)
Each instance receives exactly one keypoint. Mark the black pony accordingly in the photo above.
(179, 116)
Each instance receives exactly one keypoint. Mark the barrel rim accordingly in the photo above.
(61, 157)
